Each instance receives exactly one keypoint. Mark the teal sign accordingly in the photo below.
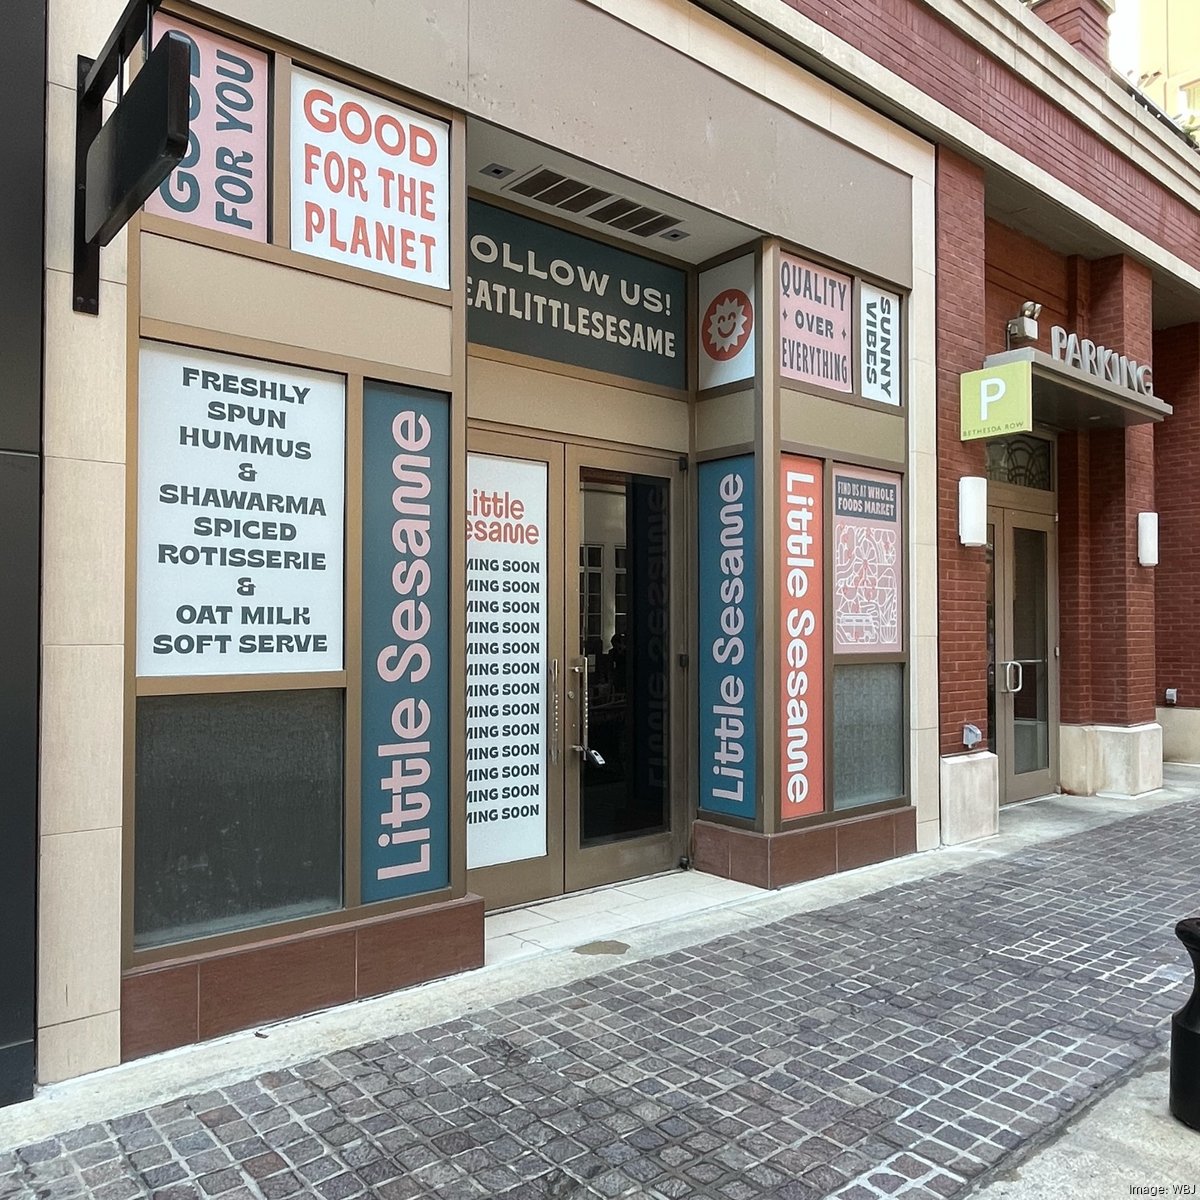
(728, 683)
(405, 642)
(538, 290)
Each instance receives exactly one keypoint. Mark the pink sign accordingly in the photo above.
(814, 324)
(801, 637)
(222, 181)
(868, 576)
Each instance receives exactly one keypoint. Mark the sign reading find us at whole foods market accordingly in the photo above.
(539, 290)
(241, 486)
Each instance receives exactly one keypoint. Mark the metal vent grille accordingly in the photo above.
(573, 196)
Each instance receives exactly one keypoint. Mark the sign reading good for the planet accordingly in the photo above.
(241, 482)
(370, 182)
(535, 289)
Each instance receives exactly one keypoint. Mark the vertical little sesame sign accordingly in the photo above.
(405, 642)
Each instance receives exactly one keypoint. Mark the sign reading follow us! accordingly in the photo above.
(996, 401)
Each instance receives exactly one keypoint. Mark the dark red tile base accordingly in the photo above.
(192, 999)
(778, 859)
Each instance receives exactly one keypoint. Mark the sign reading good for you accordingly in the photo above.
(507, 619)
(370, 183)
(241, 484)
(814, 324)
(221, 182)
(801, 637)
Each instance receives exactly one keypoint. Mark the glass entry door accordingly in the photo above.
(1023, 652)
(574, 735)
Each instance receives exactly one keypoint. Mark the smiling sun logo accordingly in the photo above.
(727, 323)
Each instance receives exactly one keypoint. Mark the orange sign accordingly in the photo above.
(802, 638)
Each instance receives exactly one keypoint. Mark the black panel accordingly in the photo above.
(19, 494)
(239, 812)
(22, 205)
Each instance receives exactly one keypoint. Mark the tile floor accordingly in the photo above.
(602, 914)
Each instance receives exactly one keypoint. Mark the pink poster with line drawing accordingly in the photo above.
(868, 568)
(221, 183)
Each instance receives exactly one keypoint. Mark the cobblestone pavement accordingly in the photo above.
(899, 1044)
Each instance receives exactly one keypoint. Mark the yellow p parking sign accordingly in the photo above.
(996, 401)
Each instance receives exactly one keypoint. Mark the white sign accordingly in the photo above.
(370, 182)
(727, 323)
(879, 345)
(1085, 355)
(241, 485)
(507, 693)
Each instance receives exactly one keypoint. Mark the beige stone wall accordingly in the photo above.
(83, 615)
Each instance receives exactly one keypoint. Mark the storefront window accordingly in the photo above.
(868, 733)
(239, 811)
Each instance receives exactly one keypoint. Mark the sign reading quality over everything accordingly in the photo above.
(728, 646)
(814, 324)
(370, 182)
(221, 183)
(241, 484)
(507, 620)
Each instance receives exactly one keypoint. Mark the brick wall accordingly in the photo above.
(1083, 23)
(962, 571)
(909, 39)
(1121, 609)
(1176, 453)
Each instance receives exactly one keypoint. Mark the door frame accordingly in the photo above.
(1004, 519)
(567, 866)
(592, 866)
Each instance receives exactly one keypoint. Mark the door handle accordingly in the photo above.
(554, 747)
(1014, 676)
(590, 755)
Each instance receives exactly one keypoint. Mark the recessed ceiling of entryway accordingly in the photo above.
(543, 180)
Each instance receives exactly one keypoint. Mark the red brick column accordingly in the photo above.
(1176, 453)
(1083, 23)
(1074, 578)
(962, 571)
(1122, 485)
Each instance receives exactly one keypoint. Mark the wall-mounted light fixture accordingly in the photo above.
(1148, 539)
(972, 510)
(1024, 326)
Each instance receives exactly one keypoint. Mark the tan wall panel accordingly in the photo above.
(849, 429)
(675, 120)
(724, 421)
(518, 395)
(192, 285)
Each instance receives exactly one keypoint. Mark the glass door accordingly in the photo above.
(624, 706)
(574, 714)
(1023, 652)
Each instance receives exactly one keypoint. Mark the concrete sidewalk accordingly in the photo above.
(911, 1029)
